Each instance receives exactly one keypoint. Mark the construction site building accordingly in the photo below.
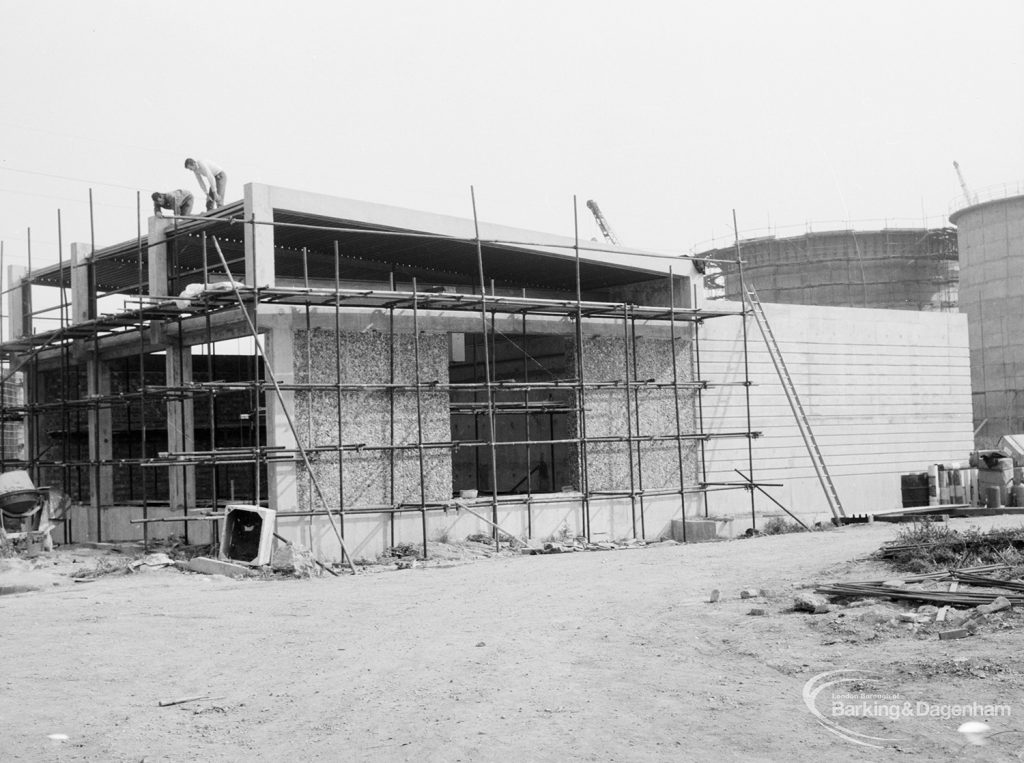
(394, 376)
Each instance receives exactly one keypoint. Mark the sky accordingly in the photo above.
(670, 114)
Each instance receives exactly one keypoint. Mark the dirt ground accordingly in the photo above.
(610, 656)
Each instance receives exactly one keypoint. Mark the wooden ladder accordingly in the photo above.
(803, 424)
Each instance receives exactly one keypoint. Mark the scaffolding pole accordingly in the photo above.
(746, 380)
(487, 373)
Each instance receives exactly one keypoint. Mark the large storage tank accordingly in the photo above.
(894, 268)
(991, 244)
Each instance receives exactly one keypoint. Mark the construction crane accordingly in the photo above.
(606, 229)
(971, 198)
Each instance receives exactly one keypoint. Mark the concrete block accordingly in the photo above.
(997, 604)
(7, 590)
(699, 530)
(953, 634)
(811, 602)
(208, 566)
(749, 593)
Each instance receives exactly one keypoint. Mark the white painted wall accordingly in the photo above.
(887, 393)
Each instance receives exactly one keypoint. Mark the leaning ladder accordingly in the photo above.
(757, 310)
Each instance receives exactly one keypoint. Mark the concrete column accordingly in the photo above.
(16, 307)
(259, 239)
(158, 256)
(83, 298)
(101, 445)
(696, 298)
(180, 429)
(281, 476)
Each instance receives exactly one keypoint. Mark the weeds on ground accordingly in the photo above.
(105, 566)
(401, 551)
(927, 546)
(489, 539)
(779, 526)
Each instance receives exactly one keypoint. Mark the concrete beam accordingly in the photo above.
(462, 227)
(467, 322)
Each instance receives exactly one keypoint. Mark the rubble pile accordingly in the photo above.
(948, 605)
(580, 543)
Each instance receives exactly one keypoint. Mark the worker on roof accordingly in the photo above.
(179, 202)
(212, 179)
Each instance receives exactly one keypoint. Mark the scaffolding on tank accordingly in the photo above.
(83, 474)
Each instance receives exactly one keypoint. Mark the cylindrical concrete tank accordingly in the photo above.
(894, 268)
(991, 244)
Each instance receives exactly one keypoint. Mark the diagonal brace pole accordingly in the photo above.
(288, 417)
(765, 493)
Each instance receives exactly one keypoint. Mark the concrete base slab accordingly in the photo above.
(698, 530)
(208, 566)
(7, 590)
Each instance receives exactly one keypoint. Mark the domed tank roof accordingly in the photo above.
(893, 268)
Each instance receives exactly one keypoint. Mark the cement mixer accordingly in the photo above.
(25, 511)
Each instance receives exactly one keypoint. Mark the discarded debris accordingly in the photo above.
(998, 604)
(954, 634)
(105, 566)
(152, 561)
(715, 596)
(878, 615)
(292, 559)
(749, 593)
(962, 598)
(568, 544)
(183, 700)
(811, 602)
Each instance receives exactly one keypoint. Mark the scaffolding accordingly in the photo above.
(892, 268)
(94, 367)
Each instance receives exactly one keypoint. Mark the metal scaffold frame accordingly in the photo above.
(80, 341)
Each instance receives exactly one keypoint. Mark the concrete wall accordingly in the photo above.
(887, 393)
(608, 414)
(368, 535)
(366, 418)
(117, 525)
(991, 241)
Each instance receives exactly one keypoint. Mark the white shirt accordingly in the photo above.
(206, 171)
